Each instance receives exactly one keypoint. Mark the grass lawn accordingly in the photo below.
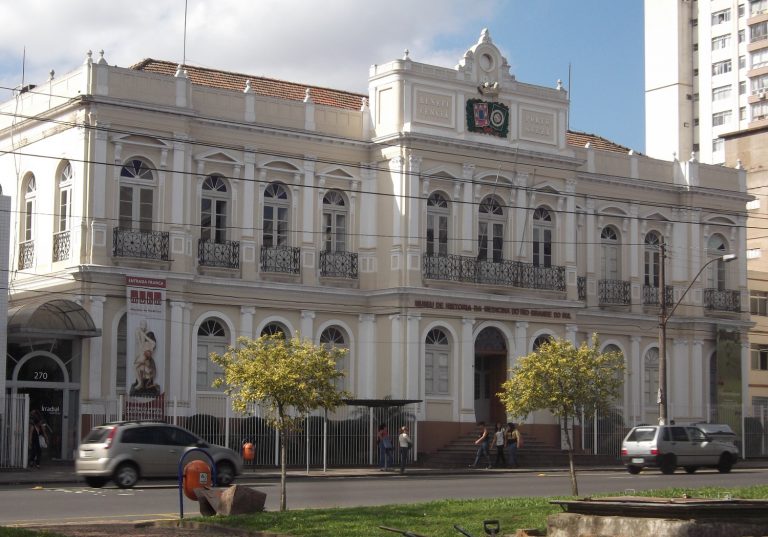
(433, 519)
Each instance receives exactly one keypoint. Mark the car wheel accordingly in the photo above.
(126, 475)
(95, 482)
(668, 465)
(725, 464)
(691, 469)
(634, 470)
(225, 473)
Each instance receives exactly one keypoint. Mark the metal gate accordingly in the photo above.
(14, 430)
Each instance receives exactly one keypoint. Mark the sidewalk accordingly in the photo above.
(63, 473)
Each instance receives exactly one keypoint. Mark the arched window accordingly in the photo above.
(437, 224)
(137, 195)
(651, 377)
(717, 277)
(334, 222)
(609, 242)
(121, 353)
(437, 363)
(652, 259)
(541, 340)
(275, 328)
(275, 222)
(619, 401)
(30, 199)
(334, 337)
(542, 237)
(490, 232)
(64, 186)
(211, 338)
(213, 209)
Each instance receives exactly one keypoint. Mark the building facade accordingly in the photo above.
(706, 74)
(439, 227)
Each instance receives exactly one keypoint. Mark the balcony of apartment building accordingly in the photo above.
(338, 264)
(722, 300)
(140, 244)
(612, 292)
(652, 297)
(61, 246)
(498, 272)
(280, 259)
(223, 254)
(26, 254)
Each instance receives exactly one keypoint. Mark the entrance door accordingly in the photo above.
(490, 374)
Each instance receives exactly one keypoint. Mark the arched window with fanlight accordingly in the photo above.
(541, 340)
(212, 337)
(61, 239)
(651, 377)
(27, 243)
(137, 196)
(275, 328)
(437, 224)
(717, 275)
(490, 230)
(610, 258)
(335, 216)
(335, 337)
(437, 363)
(275, 221)
(542, 237)
(214, 206)
(652, 259)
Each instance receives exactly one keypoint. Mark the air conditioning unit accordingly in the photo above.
(762, 95)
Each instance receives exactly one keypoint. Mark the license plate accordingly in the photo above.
(638, 460)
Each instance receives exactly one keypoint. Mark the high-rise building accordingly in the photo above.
(706, 74)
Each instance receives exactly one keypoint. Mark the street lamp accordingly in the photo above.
(664, 317)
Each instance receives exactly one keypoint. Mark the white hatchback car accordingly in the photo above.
(668, 446)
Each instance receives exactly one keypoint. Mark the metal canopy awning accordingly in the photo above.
(61, 319)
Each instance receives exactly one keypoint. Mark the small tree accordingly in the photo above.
(289, 378)
(564, 379)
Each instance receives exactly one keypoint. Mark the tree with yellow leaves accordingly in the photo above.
(288, 377)
(565, 380)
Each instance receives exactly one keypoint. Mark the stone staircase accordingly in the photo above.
(534, 454)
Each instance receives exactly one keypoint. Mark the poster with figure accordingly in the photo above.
(145, 343)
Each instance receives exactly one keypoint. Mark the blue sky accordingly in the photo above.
(332, 43)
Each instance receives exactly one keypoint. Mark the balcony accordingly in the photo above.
(651, 295)
(338, 265)
(614, 292)
(140, 244)
(61, 246)
(725, 300)
(218, 254)
(282, 259)
(461, 268)
(26, 254)
(581, 287)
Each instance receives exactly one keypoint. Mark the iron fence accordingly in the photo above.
(285, 259)
(614, 292)
(462, 268)
(14, 430)
(26, 254)
(651, 295)
(143, 244)
(726, 300)
(338, 264)
(61, 246)
(218, 254)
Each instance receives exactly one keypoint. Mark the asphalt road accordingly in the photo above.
(23, 505)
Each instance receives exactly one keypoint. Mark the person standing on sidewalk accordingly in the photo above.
(498, 441)
(405, 443)
(482, 442)
(512, 440)
(384, 442)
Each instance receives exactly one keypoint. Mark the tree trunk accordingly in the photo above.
(574, 483)
(282, 467)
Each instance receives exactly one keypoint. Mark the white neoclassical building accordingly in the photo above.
(439, 227)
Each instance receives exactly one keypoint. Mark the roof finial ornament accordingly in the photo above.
(89, 57)
(588, 145)
(308, 96)
(560, 85)
(631, 152)
(405, 54)
(739, 165)
(674, 155)
(102, 61)
(363, 104)
(50, 75)
(485, 36)
(181, 72)
(693, 156)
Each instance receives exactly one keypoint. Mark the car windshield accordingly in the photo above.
(642, 434)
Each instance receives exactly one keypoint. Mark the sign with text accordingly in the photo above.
(478, 308)
(145, 338)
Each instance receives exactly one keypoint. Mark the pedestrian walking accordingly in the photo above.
(38, 438)
(482, 442)
(513, 440)
(405, 443)
(498, 441)
(384, 441)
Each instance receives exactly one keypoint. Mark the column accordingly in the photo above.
(412, 375)
(246, 321)
(635, 243)
(188, 348)
(467, 365)
(570, 222)
(175, 347)
(677, 385)
(521, 208)
(697, 379)
(368, 208)
(412, 179)
(95, 348)
(366, 357)
(633, 391)
(308, 218)
(306, 325)
(468, 211)
(396, 364)
(398, 203)
(570, 334)
(745, 367)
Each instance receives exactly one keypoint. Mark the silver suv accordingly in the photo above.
(127, 451)
(668, 446)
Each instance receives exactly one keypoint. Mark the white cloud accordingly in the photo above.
(329, 43)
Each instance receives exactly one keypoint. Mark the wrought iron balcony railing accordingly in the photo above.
(461, 268)
(614, 292)
(61, 246)
(26, 254)
(285, 259)
(142, 244)
(581, 287)
(726, 300)
(651, 295)
(218, 254)
(338, 265)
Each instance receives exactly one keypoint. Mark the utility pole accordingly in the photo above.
(662, 398)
